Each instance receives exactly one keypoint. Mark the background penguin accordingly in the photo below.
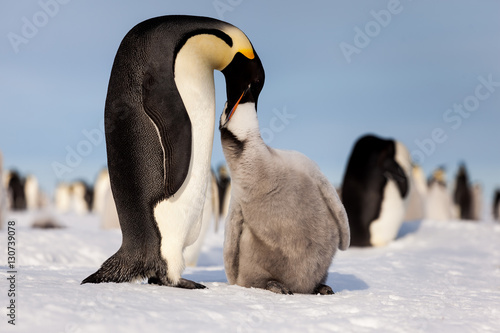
(159, 113)
(224, 188)
(109, 215)
(285, 219)
(62, 197)
(462, 195)
(101, 186)
(81, 197)
(32, 193)
(375, 190)
(496, 206)
(418, 195)
(438, 207)
(15, 191)
(476, 202)
(107, 208)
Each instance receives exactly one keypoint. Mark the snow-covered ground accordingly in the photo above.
(436, 277)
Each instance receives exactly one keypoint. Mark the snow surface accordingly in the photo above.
(436, 277)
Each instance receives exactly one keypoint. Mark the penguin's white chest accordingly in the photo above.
(392, 211)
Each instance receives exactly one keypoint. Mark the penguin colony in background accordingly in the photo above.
(375, 190)
(285, 220)
(159, 112)
(376, 210)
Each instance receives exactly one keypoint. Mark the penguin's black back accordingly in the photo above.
(462, 195)
(16, 191)
(496, 205)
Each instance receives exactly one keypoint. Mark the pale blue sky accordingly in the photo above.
(401, 84)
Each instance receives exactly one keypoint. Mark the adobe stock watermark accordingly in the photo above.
(224, 6)
(373, 28)
(454, 117)
(277, 124)
(32, 25)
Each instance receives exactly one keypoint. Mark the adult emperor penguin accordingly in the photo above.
(476, 202)
(417, 196)
(32, 193)
(496, 206)
(159, 126)
(439, 206)
(15, 191)
(101, 186)
(285, 220)
(462, 196)
(375, 190)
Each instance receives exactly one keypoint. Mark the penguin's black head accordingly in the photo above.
(244, 81)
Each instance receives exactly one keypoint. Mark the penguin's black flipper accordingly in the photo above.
(163, 104)
(188, 284)
(393, 170)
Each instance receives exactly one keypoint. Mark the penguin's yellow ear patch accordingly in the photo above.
(247, 53)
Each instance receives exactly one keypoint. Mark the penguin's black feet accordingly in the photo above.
(155, 280)
(323, 289)
(183, 283)
(188, 284)
(278, 288)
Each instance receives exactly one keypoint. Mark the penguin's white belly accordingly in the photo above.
(392, 211)
(179, 217)
(438, 204)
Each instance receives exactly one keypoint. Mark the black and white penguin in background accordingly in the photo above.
(462, 196)
(81, 197)
(496, 206)
(101, 186)
(15, 191)
(476, 202)
(375, 190)
(159, 125)
(62, 198)
(32, 193)
(439, 205)
(418, 195)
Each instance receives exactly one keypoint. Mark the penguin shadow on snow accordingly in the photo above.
(345, 282)
(339, 282)
(408, 228)
(208, 276)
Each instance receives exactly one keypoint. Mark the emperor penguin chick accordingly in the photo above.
(285, 219)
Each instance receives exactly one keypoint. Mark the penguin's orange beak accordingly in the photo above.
(235, 106)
